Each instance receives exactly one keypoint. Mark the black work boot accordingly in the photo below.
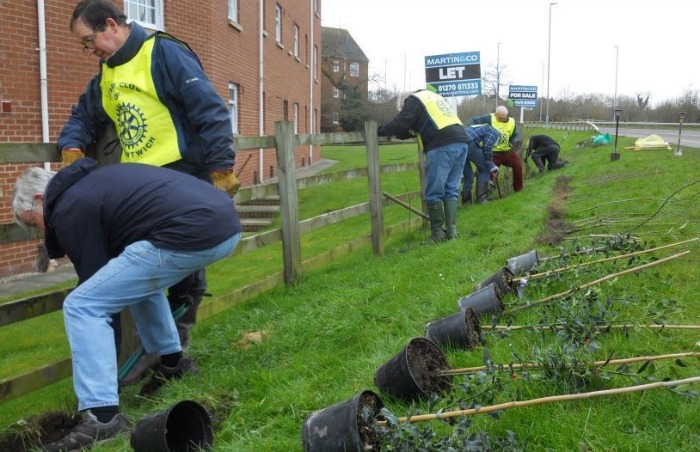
(163, 373)
(466, 196)
(482, 192)
(88, 433)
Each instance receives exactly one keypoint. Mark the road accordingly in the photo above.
(690, 138)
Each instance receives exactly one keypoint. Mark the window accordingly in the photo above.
(296, 40)
(233, 10)
(285, 110)
(233, 106)
(315, 63)
(336, 118)
(354, 69)
(336, 66)
(147, 13)
(336, 92)
(296, 118)
(278, 24)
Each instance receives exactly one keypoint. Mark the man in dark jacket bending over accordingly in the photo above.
(543, 148)
(131, 231)
(440, 133)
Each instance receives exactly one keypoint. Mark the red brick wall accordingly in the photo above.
(228, 52)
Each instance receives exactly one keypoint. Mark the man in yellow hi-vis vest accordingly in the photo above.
(505, 152)
(153, 91)
(440, 133)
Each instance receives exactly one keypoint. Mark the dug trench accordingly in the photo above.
(555, 229)
(37, 430)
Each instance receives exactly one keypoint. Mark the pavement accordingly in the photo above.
(64, 271)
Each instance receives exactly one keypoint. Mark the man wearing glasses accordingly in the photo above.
(131, 231)
(153, 91)
(506, 151)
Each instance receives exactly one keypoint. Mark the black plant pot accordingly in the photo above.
(344, 426)
(414, 372)
(486, 300)
(503, 280)
(183, 427)
(523, 263)
(460, 330)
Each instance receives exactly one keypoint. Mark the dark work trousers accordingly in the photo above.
(548, 154)
(511, 159)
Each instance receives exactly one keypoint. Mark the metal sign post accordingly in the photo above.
(681, 117)
(615, 156)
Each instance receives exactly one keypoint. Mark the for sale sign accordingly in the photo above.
(523, 95)
(454, 74)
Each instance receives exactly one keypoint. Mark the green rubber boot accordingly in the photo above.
(437, 219)
(451, 218)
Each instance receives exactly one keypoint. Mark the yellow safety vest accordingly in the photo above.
(144, 125)
(506, 129)
(439, 110)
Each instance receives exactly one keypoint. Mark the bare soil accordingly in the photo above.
(555, 228)
(369, 435)
(35, 431)
(425, 362)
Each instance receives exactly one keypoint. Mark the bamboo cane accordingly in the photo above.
(597, 281)
(403, 204)
(634, 359)
(600, 327)
(599, 261)
(549, 399)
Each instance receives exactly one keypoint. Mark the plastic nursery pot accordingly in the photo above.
(460, 330)
(503, 280)
(343, 426)
(486, 300)
(523, 263)
(414, 372)
(184, 427)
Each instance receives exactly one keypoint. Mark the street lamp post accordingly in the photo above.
(681, 117)
(549, 59)
(498, 74)
(617, 59)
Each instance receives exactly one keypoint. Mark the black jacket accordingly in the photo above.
(91, 214)
(413, 117)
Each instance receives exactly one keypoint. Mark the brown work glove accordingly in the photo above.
(225, 180)
(70, 155)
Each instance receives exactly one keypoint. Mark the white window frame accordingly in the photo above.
(336, 65)
(233, 10)
(233, 106)
(336, 118)
(296, 40)
(354, 69)
(336, 92)
(296, 118)
(134, 10)
(315, 62)
(278, 23)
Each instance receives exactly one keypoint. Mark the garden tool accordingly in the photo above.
(134, 358)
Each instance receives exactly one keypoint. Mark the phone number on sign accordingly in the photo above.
(457, 87)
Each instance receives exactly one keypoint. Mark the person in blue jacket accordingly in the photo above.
(152, 90)
(481, 140)
(131, 231)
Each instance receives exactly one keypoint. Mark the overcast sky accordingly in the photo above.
(656, 41)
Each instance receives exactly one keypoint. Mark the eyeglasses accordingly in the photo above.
(31, 223)
(88, 43)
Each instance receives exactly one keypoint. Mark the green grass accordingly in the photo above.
(326, 336)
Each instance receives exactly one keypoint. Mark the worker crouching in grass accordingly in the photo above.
(131, 231)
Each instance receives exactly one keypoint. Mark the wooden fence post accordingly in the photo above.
(421, 169)
(375, 188)
(289, 201)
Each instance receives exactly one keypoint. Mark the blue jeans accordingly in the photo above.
(443, 172)
(475, 156)
(137, 279)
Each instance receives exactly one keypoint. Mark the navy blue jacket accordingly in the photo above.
(202, 119)
(91, 214)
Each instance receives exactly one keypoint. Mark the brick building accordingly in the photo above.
(261, 55)
(344, 67)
